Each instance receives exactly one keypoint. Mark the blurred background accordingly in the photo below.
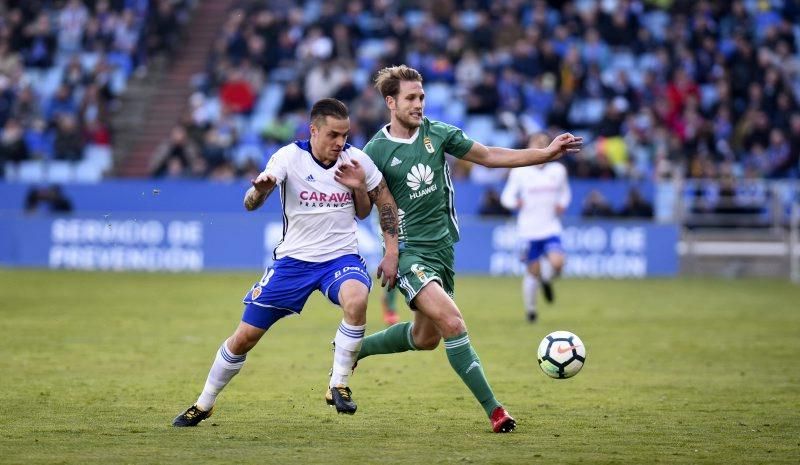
(130, 128)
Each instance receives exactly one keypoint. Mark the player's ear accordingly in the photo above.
(390, 102)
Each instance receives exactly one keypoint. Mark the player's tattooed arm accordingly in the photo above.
(387, 212)
(263, 185)
(351, 174)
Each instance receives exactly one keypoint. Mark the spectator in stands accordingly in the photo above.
(778, 155)
(72, 21)
(636, 206)
(236, 93)
(52, 198)
(491, 205)
(483, 99)
(714, 79)
(293, 99)
(165, 25)
(596, 206)
(26, 106)
(62, 103)
(175, 157)
(39, 43)
(40, 140)
(10, 60)
(13, 146)
(68, 143)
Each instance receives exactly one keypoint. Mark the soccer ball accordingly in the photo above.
(561, 354)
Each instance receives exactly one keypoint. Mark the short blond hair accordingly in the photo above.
(388, 80)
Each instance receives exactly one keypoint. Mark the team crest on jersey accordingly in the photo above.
(419, 270)
(256, 292)
(428, 144)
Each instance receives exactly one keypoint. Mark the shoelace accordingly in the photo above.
(344, 392)
(193, 412)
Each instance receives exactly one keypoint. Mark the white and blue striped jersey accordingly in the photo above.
(318, 212)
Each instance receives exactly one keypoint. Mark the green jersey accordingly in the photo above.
(418, 177)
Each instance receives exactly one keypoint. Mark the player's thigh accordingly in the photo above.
(556, 258)
(283, 290)
(436, 305)
(348, 271)
(554, 251)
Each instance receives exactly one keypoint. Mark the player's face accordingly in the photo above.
(407, 108)
(328, 139)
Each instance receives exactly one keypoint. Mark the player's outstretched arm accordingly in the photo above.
(387, 212)
(262, 187)
(352, 175)
(499, 157)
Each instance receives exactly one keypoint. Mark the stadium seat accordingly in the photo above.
(87, 172)
(10, 171)
(31, 171)
(59, 171)
(99, 156)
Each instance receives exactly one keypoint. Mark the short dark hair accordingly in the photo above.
(328, 107)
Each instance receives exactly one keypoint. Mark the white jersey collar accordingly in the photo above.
(400, 140)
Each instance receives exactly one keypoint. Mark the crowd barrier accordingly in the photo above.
(192, 241)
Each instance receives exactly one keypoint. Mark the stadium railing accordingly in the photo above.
(738, 227)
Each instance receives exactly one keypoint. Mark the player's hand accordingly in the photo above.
(387, 270)
(264, 182)
(351, 174)
(563, 144)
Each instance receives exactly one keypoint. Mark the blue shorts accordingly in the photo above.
(544, 246)
(286, 285)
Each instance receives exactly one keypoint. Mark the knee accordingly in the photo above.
(355, 310)
(427, 342)
(452, 326)
(241, 343)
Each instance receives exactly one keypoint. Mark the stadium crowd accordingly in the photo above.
(705, 88)
(63, 65)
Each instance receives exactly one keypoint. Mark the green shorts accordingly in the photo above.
(417, 268)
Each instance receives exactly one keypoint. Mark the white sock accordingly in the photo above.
(348, 342)
(529, 284)
(224, 368)
(546, 269)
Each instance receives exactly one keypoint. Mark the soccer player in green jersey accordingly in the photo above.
(410, 153)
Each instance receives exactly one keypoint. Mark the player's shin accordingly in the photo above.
(347, 344)
(529, 284)
(393, 339)
(546, 269)
(226, 365)
(465, 362)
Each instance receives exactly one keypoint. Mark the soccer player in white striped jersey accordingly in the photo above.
(541, 194)
(324, 184)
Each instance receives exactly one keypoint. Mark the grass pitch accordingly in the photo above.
(94, 366)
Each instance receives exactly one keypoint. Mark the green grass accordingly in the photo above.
(94, 366)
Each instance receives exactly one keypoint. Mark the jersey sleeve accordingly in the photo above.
(456, 141)
(278, 163)
(509, 197)
(372, 174)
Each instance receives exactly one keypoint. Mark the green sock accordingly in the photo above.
(395, 338)
(466, 363)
